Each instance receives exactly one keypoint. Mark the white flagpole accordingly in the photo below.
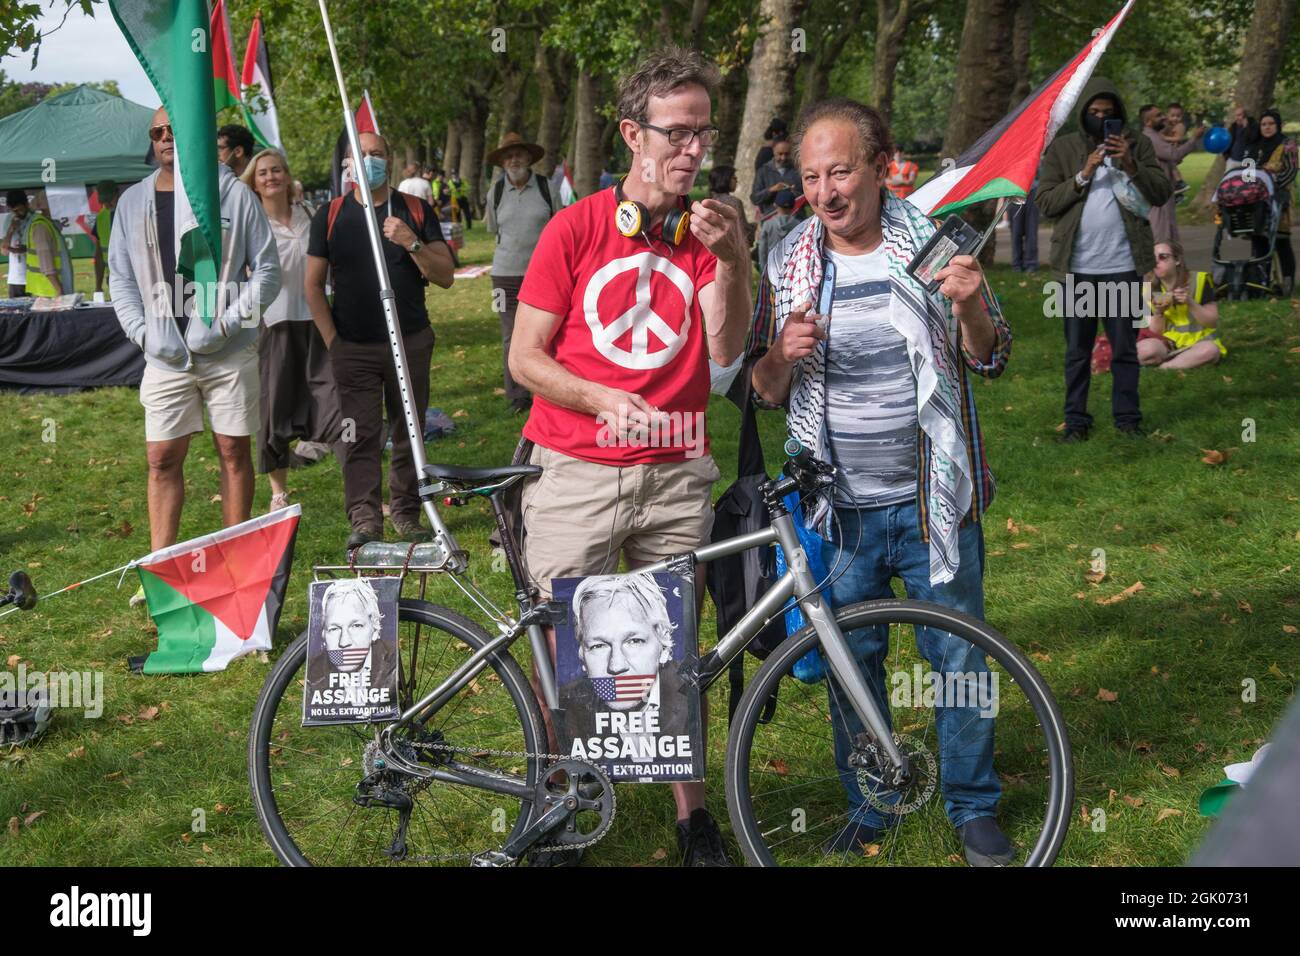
(414, 429)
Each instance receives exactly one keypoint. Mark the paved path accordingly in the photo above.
(1197, 241)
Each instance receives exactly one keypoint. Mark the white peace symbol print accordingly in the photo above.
(641, 318)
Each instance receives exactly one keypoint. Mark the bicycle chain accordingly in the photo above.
(549, 758)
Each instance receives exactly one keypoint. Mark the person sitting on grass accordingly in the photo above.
(1184, 329)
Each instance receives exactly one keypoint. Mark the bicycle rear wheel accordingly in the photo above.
(795, 801)
(304, 778)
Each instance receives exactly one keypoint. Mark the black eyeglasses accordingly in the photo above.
(681, 136)
(159, 133)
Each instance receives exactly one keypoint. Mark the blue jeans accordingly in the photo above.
(891, 546)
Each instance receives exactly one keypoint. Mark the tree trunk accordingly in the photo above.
(511, 99)
(1261, 59)
(1022, 29)
(472, 137)
(588, 151)
(451, 151)
(771, 86)
(893, 17)
(985, 76)
(554, 79)
(731, 106)
(817, 75)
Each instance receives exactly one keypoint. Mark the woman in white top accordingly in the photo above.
(298, 396)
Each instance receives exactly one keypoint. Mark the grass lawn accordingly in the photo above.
(1151, 686)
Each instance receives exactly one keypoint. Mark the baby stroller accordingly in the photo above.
(1248, 210)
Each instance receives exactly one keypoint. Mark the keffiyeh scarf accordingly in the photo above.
(930, 331)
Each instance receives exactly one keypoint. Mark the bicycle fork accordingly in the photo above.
(839, 658)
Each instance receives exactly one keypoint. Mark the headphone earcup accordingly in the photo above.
(630, 217)
(676, 222)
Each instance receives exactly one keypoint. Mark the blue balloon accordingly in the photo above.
(1217, 139)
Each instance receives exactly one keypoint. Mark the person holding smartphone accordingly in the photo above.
(1094, 183)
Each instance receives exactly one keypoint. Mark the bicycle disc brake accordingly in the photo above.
(872, 773)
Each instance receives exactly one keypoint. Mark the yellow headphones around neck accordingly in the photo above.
(633, 219)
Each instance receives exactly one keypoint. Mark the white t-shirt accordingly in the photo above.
(291, 242)
(17, 260)
(871, 416)
(415, 186)
(1101, 244)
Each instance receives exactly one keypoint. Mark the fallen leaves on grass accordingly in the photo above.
(1094, 577)
(1168, 812)
(1169, 771)
(1109, 696)
(78, 753)
(659, 854)
(1133, 801)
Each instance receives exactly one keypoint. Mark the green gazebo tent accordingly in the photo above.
(89, 135)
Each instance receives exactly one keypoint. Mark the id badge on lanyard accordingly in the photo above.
(826, 294)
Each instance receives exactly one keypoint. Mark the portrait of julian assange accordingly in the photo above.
(351, 669)
(628, 650)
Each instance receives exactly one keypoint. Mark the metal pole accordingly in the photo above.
(413, 428)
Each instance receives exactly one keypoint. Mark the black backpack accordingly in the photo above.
(737, 581)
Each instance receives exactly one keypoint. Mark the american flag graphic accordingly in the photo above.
(348, 656)
(624, 687)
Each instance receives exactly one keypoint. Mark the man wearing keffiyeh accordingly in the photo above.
(872, 372)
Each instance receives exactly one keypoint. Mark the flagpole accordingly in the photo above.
(386, 297)
(46, 597)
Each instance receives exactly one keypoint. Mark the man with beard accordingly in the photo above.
(1164, 222)
(772, 177)
(518, 209)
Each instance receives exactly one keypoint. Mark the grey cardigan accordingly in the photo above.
(250, 268)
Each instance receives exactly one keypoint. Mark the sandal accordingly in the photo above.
(278, 502)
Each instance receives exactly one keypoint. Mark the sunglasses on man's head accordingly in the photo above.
(161, 132)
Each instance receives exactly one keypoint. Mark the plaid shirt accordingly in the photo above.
(763, 335)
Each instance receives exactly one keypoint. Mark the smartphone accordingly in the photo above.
(1111, 127)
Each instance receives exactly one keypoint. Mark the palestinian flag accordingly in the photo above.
(341, 177)
(218, 597)
(225, 86)
(167, 38)
(263, 119)
(1003, 162)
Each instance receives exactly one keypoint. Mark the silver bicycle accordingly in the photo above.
(465, 775)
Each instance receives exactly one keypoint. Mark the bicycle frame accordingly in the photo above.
(797, 582)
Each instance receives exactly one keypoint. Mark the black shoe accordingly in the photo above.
(700, 841)
(522, 406)
(1132, 431)
(1072, 435)
(561, 856)
(985, 844)
(852, 839)
(362, 536)
(409, 529)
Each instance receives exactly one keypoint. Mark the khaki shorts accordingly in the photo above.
(230, 388)
(580, 517)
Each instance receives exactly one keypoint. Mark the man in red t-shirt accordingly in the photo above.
(613, 336)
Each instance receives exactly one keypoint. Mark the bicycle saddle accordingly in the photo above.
(455, 474)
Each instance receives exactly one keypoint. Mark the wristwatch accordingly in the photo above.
(415, 246)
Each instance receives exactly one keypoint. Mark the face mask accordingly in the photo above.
(1092, 125)
(376, 170)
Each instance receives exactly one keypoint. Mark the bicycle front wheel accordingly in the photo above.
(304, 779)
(807, 786)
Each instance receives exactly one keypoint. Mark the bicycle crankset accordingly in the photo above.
(895, 796)
(587, 795)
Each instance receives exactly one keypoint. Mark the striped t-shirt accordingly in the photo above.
(870, 387)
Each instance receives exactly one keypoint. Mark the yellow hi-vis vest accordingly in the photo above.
(37, 283)
(1183, 330)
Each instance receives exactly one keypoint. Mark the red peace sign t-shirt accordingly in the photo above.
(629, 319)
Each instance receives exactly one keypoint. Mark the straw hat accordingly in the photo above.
(511, 140)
